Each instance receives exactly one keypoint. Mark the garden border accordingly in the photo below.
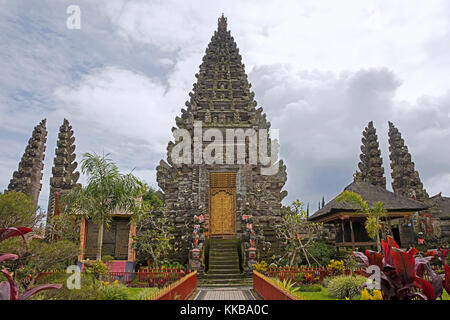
(267, 289)
(183, 287)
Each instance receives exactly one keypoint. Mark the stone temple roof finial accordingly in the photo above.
(222, 23)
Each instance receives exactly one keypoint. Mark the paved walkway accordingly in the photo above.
(224, 294)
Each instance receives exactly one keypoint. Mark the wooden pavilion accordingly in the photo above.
(349, 221)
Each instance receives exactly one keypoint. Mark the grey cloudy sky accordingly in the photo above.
(320, 69)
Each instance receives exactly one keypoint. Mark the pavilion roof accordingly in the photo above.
(442, 203)
(392, 202)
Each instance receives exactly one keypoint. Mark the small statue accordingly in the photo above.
(208, 116)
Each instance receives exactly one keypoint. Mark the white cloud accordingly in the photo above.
(321, 117)
(321, 71)
(325, 35)
(124, 103)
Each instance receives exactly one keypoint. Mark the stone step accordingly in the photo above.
(236, 275)
(227, 257)
(223, 266)
(224, 255)
(223, 251)
(228, 285)
(218, 262)
(223, 245)
(221, 270)
(224, 276)
(224, 271)
(225, 282)
(223, 248)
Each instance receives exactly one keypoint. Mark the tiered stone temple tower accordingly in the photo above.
(405, 179)
(27, 179)
(64, 176)
(371, 164)
(222, 199)
(406, 182)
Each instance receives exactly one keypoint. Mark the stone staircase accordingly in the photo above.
(224, 268)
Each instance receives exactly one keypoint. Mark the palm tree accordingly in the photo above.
(373, 223)
(106, 192)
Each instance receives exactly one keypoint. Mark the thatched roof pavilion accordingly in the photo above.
(351, 220)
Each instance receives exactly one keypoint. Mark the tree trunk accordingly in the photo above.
(306, 255)
(304, 252)
(293, 258)
(99, 242)
(155, 259)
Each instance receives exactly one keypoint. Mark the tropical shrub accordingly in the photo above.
(115, 291)
(308, 279)
(336, 266)
(171, 264)
(342, 287)
(37, 256)
(8, 288)
(351, 263)
(404, 276)
(63, 226)
(261, 266)
(97, 268)
(326, 281)
(287, 285)
(90, 289)
(322, 252)
(154, 239)
(107, 259)
(107, 190)
(17, 209)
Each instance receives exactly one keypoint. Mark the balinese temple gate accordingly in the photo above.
(222, 204)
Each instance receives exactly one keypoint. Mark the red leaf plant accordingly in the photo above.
(442, 256)
(403, 276)
(8, 289)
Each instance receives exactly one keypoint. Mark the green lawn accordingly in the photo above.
(320, 295)
(324, 295)
(134, 292)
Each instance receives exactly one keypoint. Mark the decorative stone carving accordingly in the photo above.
(371, 164)
(64, 177)
(27, 179)
(405, 179)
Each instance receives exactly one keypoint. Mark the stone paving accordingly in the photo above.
(224, 294)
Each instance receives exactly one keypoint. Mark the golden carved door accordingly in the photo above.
(222, 203)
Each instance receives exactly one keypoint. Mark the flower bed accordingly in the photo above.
(152, 278)
(305, 275)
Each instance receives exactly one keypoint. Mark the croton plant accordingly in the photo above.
(8, 289)
(405, 274)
